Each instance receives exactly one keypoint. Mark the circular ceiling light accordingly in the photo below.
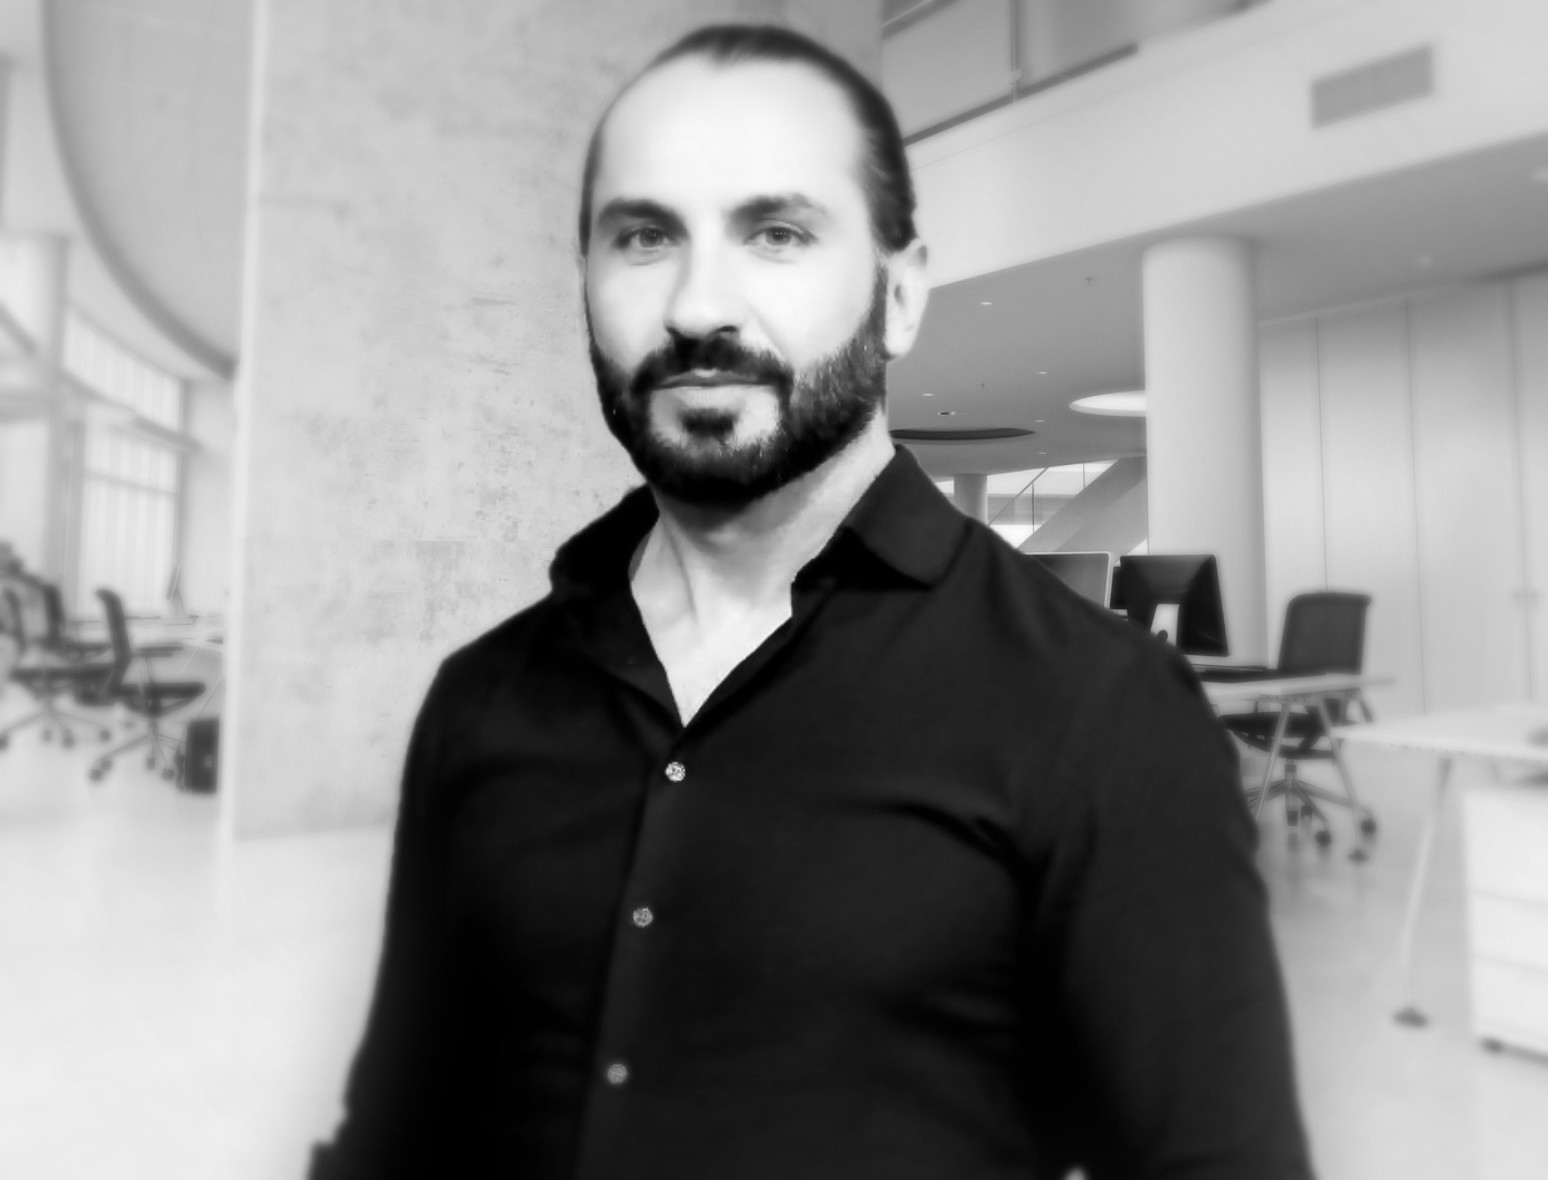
(1112, 405)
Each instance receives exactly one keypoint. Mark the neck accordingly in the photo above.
(745, 557)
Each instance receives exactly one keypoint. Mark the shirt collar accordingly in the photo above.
(902, 519)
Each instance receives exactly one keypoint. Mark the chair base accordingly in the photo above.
(51, 719)
(163, 752)
(1301, 803)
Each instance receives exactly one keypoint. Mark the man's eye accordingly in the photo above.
(644, 238)
(780, 237)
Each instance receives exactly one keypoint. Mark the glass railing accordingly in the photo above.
(947, 61)
(1021, 502)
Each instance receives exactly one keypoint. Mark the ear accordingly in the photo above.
(908, 290)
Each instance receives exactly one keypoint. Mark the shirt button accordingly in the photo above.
(617, 1073)
(643, 917)
(676, 771)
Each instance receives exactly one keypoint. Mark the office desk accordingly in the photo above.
(1507, 863)
(1308, 692)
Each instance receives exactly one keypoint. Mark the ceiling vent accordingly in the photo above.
(1373, 86)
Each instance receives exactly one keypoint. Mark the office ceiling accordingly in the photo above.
(1015, 347)
(150, 99)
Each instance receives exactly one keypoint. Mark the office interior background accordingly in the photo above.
(292, 360)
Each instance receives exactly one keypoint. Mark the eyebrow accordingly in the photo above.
(621, 209)
(625, 209)
(781, 205)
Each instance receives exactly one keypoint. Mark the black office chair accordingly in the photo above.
(1324, 632)
(58, 641)
(46, 678)
(146, 697)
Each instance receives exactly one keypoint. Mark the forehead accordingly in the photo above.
(695, 130)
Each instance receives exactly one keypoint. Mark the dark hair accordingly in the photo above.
(889, 191)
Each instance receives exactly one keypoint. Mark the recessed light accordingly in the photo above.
(928, 395)
(1042, 452)
(1042, 372)
(948, 413)
(986, 303)
(1112, 405)
(1037, 421)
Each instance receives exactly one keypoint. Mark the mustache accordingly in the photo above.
(721, 355)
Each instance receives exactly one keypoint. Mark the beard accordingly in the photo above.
(821, 410)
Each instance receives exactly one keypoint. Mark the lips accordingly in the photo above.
(701, 380)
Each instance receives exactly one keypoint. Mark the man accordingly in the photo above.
(804, 831)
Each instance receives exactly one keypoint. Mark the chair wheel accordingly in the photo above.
(48, 735)
(167, 774)
(1368, 825)
(95, 774)
(5, 741)
(1324, 838)
(150, 763)
(1292, 816)
(67, 740)
(106, 733)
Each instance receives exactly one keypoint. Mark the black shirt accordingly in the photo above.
(950, 879)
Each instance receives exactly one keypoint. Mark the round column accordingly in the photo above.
(1203, 444)
(970, 493)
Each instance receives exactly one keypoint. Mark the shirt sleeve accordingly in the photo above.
(1163, 989)
(390, 1095)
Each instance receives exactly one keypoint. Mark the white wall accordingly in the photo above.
(1404, 445)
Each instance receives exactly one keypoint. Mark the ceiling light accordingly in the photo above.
(986, 303)
(948, 413)
(928, 395)
(1037, 421)
(1130, 404)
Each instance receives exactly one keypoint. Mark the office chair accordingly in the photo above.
(145, 697)
(58, 641)
(47, 680)
(1324, 632)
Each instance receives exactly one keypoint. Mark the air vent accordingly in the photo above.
(1373, 87)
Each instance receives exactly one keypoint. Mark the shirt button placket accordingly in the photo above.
(617, 1073)
(643, 916)
(676, 772)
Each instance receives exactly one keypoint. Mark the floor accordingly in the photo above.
(176, 1006)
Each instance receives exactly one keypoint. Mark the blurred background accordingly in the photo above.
(292, 367)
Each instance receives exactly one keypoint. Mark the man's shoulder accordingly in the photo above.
(506, 644)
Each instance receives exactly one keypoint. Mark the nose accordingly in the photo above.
(706, 300)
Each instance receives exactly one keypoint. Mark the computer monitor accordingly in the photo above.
(1184, 585)
(1088, 573)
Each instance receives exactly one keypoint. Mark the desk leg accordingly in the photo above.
(1359, 854)
(1273, 754)
(1409, 1014)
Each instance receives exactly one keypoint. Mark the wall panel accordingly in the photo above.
(1368, 485)
(1468, 490)
(1291, 419)
(1530, 324)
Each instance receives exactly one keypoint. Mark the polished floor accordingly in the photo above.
(179, 1007)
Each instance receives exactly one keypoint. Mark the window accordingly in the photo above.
(130, 483)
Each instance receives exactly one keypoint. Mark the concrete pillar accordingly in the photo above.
(970, 493)
(37, 489)
(1204, 450)
(416, 420)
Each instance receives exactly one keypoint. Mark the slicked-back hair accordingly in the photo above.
(884, 176)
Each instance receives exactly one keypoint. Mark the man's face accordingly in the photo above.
(737, 307)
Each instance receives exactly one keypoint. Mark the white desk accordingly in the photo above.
(1308, 692)
(1507, 864)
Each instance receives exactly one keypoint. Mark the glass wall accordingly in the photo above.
(130, 479)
